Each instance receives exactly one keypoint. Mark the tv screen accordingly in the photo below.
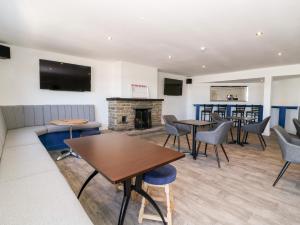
(64, 76)
(173, 87)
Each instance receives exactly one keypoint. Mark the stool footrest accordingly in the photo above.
(153, 217)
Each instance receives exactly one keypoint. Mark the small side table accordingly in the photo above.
(70, 124)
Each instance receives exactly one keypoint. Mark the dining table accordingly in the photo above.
(240, 120)
(123, 159)
(195, 124)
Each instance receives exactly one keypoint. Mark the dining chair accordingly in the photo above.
(297, 126)
(256, 128)
(215, 137)
(254, 112)
(219, 120)
(207, 111)
(290, 150)
(221, 110)
(176, 130)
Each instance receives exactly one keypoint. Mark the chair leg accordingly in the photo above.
(261, 142)
(167, 140)
(198, 148)
(217, 155)
(284, 168)
(174, 140)
(224, 152)
(142, 209)
(168, 199)
(244, 138)
(231, 135)
(205, 150)
(187, 139)
(262, 138)
(178, 139)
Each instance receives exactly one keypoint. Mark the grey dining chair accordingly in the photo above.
(290, 149)
(297, 126)
(256, 128)
(219, 120)
(176, 130)
(215, 137)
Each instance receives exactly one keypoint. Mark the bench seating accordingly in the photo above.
(32, 189)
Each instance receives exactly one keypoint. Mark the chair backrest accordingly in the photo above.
(216, 117)
(169, 119)
(283, 140)
(19, 116)
(221, 132)
(208, 107)
(263, 124)
(240, 108)
(222, 107)
(297, 126)
(255, 108)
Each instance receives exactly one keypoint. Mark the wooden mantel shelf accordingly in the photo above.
(134, 99)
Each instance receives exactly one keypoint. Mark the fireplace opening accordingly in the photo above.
(142, 118)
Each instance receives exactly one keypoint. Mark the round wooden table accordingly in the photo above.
(70, 124)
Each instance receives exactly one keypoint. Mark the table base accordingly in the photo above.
(128, 188)
(67, 154)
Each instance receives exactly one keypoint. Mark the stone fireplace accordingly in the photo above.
(133, 113)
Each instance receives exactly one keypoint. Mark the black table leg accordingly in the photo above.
(194, 142)
(128, 187)
(125, 202)
(238, 133)
(86, 182)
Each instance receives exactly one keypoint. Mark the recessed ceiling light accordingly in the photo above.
(279, 53)
(203, 66)
(169, 57)
(142, 18)
(202, 48)
(259, 33)
(109, 38)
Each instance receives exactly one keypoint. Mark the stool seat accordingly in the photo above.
(161, 176)
(89, 133)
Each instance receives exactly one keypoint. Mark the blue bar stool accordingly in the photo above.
(161, 177)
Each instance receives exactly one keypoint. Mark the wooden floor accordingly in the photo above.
(239, 193)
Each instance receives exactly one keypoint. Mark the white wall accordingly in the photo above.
(176, 105)
(199, 93)
(19, 81)
(138, 74)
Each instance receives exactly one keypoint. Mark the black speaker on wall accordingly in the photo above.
(4, 52)
(189, 81)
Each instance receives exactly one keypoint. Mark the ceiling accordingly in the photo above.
(149, 31)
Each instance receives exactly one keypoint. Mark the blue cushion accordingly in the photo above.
(89, 133)
(161, 176)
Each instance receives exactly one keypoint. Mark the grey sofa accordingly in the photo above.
(32, 189)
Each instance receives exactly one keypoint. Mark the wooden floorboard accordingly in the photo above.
(239, 193)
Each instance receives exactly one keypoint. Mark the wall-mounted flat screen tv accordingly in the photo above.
(64, 76)
(173, 87)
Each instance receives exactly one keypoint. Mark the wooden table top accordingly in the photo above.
(119, 156)
(71, 122)
(195, 122)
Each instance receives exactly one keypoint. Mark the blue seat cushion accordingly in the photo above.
(89, 133)
(161, 176)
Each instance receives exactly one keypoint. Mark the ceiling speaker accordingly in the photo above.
(4, 52)
(189, 81)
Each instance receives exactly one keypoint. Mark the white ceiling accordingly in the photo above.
(148, 31)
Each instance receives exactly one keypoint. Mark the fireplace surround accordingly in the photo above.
(133, 113)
